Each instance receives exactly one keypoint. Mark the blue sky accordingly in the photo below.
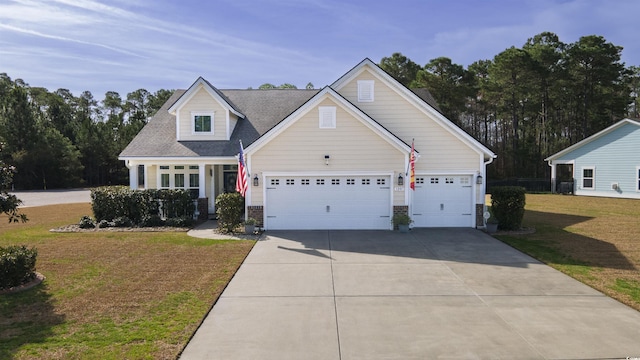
(124, 45)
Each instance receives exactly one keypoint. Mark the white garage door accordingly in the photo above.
(329, 202)
(443, 201)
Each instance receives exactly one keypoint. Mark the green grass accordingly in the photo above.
(111, 295)
(591, 239)
(628, 287)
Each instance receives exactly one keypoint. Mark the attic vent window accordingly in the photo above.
(327, 117)
(365, 90)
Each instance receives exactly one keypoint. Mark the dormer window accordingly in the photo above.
(202, 123)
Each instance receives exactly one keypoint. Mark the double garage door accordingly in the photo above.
(364, 202)
(329, 202)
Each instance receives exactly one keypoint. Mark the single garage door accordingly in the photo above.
(443, 201)
(328, 202)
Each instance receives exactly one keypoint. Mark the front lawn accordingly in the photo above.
(595, 240)
(109, 295)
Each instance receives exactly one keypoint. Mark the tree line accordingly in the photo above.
(58, 140)
(525, 104)
(528, 103)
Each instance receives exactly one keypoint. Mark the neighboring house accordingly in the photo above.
(604, 164)
(335, 158)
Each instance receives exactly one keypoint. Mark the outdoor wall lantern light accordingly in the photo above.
(400, 180)
(255, 180)
(326, 159)
(479, 179)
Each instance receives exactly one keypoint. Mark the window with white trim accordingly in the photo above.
(164, 181)
(176, 177)
(327, 117)
(202, 123)
(638, 178)
(588, 177)
(365, 90)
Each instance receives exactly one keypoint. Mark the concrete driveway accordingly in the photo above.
(433, 293)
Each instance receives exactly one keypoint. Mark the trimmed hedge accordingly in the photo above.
(229, 209)
(122, 206)
(17, 265)
(507, 205)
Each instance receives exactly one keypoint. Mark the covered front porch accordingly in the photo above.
(205, 180)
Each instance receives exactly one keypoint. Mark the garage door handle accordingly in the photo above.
(270, 216)
(385, 216)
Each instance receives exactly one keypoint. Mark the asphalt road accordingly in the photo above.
(52, 197)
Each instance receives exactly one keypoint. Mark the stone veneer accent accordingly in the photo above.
(203, 209)
(479, 215)
(400, 209)
(256, 212)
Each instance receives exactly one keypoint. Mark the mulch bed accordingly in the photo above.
(74, 228)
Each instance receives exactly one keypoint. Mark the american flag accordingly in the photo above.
(241, 181)
(412, 167)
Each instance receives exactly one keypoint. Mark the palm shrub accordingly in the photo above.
(507, 205)
(229, 209)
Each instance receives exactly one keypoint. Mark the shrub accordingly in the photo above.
(17, 265)
(507, 204)
(182, 221)
(152, 221)
(122, 221)
(229, 209)
(139, 206)
(86, 222)
(104, 224)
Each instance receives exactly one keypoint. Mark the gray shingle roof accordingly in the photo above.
(263, 110)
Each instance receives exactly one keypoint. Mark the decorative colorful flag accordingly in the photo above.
(241, 181)
(412, 167)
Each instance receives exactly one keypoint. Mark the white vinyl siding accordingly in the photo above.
(202, 104)
(366, 90)
(588, 177)
(352, 147)
(439, 149)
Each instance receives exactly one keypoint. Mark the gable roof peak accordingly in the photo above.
(212, 90)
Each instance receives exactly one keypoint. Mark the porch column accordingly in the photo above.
(133, 175)
(202, 179)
